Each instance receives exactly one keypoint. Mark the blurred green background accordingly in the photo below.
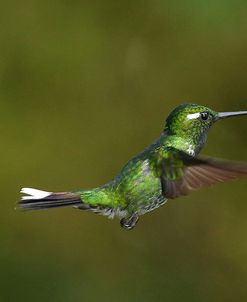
(84, 86)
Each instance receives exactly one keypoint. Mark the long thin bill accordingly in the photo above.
(229, 114)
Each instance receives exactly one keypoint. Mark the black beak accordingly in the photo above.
(222, 115)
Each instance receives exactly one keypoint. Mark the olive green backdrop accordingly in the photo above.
(84, 86)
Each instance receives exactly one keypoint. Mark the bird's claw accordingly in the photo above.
(129, 222)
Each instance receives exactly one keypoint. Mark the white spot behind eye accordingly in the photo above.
(193, 116)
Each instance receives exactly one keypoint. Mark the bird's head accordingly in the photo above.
(192, 122)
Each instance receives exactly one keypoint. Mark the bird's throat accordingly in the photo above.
(187, 145)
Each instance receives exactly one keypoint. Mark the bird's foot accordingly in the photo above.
(129, 222)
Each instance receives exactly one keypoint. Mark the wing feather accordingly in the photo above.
(197, 172)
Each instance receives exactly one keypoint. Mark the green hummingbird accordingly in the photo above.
(170, 167)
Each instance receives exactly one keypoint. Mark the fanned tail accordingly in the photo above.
(38, 200)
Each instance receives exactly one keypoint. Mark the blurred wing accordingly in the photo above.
(182, 173)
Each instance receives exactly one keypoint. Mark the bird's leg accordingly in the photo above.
(128, 223)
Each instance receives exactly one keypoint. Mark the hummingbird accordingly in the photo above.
(168, 168)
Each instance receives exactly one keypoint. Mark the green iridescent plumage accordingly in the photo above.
(168, 168)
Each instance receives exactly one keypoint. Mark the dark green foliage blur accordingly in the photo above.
(84, 86)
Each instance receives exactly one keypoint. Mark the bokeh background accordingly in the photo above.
(84, 86)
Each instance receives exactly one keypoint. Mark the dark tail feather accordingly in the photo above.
(38, 200)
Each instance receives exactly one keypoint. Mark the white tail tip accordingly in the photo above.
(34, 193)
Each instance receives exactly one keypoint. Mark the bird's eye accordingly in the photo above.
(204, 116)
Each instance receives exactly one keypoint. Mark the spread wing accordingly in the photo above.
(181, 173)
